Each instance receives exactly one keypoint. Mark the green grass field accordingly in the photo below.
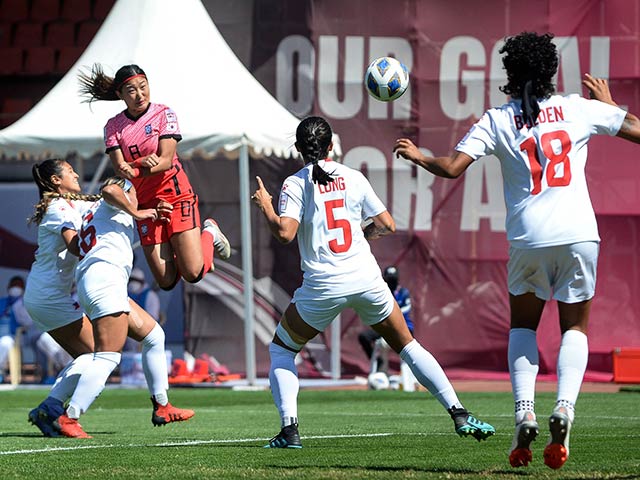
(346, 435)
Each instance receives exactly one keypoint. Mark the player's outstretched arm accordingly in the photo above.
(599, 90)
(447, 167)
(630, 129)
(284, 229)
(116, 196)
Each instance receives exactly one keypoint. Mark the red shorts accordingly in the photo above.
(185, 215)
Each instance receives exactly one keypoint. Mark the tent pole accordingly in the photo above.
(335, 349)
(247, 263)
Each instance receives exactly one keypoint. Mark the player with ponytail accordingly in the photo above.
(48, 293)
(141, 142)
(323, 204)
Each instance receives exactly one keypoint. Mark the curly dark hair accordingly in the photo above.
(530, 57)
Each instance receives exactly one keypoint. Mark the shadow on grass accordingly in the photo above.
(40, 435)
(21, 435)
(490, 473)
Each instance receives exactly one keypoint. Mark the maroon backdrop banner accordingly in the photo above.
(451, 248)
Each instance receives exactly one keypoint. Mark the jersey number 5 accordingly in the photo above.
(555, 159)
(340, 223)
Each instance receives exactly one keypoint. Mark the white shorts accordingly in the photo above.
(52, 312)
(569, 271)
(372, 306)
(102, 290)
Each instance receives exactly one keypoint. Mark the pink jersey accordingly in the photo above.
(139, 137)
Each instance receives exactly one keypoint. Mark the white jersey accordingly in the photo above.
(335, 257)
(51, 274)
(543, 167)
(106, 236)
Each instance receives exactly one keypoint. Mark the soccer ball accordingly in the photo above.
(378, 381)
(394, 382)
(386, 79)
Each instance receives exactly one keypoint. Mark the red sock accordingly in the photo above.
(206, 240)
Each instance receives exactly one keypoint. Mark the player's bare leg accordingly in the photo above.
(162, 263)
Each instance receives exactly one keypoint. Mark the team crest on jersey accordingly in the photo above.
(147, 129)
(144, 229)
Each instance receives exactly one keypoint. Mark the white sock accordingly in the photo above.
(283, 377)
(154, 364)
(67, 379)
(92, 382)
(523, 368)
(572, 363)
(430, 374)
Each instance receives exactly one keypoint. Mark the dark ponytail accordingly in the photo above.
(99, 86)
(530, 106)
(313, 139)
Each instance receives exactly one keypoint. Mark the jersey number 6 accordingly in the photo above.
(87, 234)
(333, 223)
(555, 159)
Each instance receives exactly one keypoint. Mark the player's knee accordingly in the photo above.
(155, 337)
(168, 284)
(194, 277)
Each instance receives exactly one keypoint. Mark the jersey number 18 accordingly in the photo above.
(554, 159)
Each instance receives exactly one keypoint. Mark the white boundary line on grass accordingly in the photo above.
(232, 441)
(180, 444)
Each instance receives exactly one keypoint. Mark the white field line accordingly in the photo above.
(242, 440)
(541, 418)
(188, 443)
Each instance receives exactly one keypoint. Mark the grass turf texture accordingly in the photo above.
(346, 435)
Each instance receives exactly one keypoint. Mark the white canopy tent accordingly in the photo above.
(190, 68)
(219, 104)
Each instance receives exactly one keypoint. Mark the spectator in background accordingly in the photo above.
(368, 337)
(8, 321)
